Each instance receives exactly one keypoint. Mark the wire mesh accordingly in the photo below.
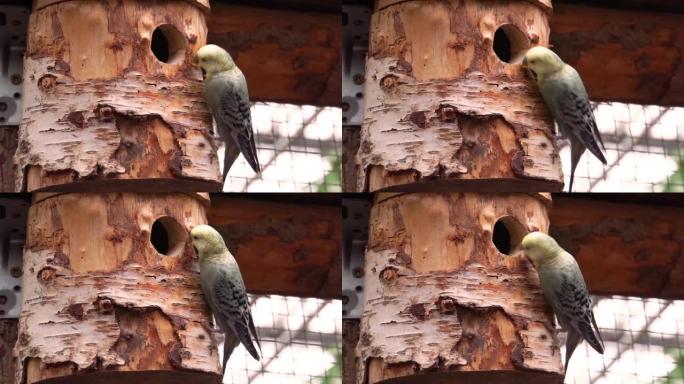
(644, 343)
(301, 341)
(299, 148)
(643, 148)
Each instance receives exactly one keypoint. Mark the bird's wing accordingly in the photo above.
(575, 305)
(575, 115)
(234, 113)
(232, 305)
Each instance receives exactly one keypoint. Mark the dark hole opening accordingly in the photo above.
(3, 19)
(507, 234)
(510, 44)
(167, 236)
(168, 45)
(160, 238)
(501, 238)
(502, 46)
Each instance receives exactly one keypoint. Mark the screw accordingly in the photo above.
(16, 79)
(3, 107)
(345, 300)
(345, 107)
(358, 79)
(16, 272)
(357, 272)
(3, 299)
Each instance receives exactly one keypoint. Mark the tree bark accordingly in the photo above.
(441, 302)
(442, 109)
(8, 146)
(111, 291)
(101, 110)
(8, 336)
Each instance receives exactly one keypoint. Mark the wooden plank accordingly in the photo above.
(287, 248)
(623, 55)
(627, 248)
(286, 56)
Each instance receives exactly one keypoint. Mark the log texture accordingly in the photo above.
(287, 56)
(97, 296)
(441, 300)
(287, 248)
(634, 56)
(101, 110)
(441, 107)
(631, 249)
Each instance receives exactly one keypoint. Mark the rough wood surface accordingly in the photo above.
(350, 144)
(98, 105)
(622, 248)
(440, 298)
(440, 105)
(350, 337)
(633, 56)
(286, 56)
(8, 146)
(8, 336)
(297, 245)
(98, 297)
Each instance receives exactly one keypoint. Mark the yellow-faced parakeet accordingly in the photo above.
(224, 291)
(564, 290)
(563, 92)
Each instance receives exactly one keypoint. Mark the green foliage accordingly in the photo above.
(677, 374)
(332, 182)
(334, 374)
(675, 183)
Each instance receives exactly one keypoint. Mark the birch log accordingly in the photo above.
(442, 108)
(100, 302)
(112, 100)
(443, 304)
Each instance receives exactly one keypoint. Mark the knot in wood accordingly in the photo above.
(105, 306)
(47, 82)
(388, 274)
(388, 82)
(46, 274)
(104, 113)
(446, 305)
(418, 118)
(447, 113)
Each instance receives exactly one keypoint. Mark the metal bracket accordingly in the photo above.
(355, 215)
(13, 26)
(355, 24)
(13, 212)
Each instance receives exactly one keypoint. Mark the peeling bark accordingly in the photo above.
(440, 298)
(441, 107)
(99, 297)
(99, 106)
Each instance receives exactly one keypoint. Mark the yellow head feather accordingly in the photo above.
(542, 61)
(539, 247)
(207, 242)
(213, 60)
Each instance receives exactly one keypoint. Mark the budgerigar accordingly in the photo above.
(564, 290)
(563, 92)
(228, 99)
(224, 291)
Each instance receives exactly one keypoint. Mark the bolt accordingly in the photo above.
(16, 272)
(357, 272)
(3, 299)
(345, 107)
(345, 300)
(16, 79)
(3, 107)
(359, 79)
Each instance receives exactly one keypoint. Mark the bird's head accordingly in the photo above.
(206, 241)
(213, 59)
(541, 61)
(539, 247)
